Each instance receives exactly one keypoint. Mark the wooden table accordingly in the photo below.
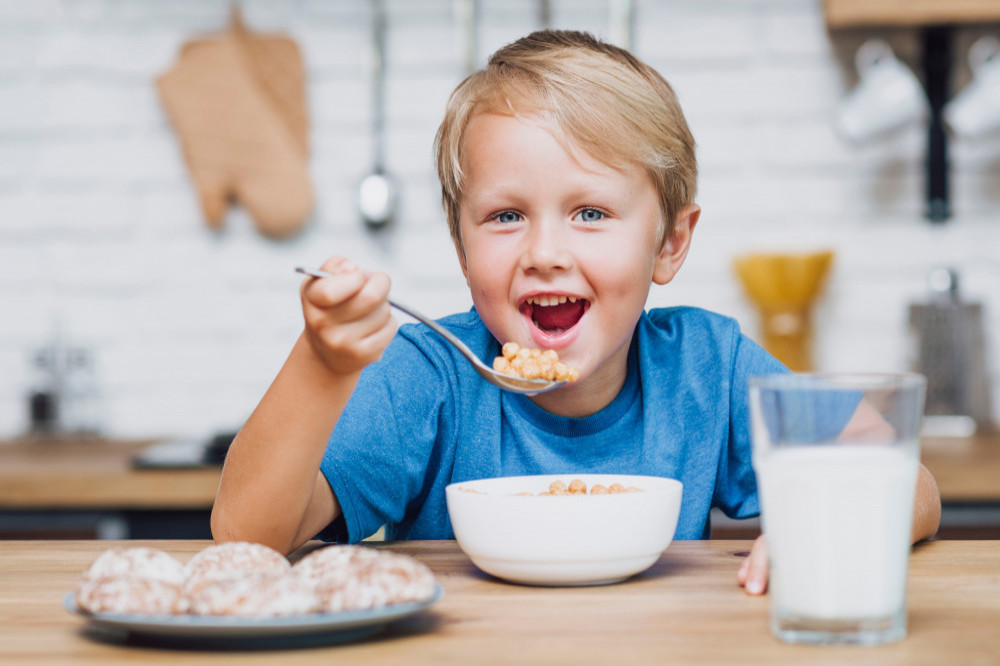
(686, 609)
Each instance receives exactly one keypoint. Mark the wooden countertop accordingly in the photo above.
(95, 474)
(686, 609)
(967, 469)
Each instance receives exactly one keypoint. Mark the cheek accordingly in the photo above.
(622, 273)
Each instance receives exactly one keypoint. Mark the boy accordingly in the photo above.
(568, 177)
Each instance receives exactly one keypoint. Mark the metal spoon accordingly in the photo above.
(506, 382)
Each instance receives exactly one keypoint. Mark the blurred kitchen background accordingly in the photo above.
(164, 328)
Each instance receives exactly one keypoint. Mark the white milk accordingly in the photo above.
(837, 520)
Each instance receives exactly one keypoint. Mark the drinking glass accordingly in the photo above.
(836, 458)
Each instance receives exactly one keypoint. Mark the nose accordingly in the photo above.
(546, 247)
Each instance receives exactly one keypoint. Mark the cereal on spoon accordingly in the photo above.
(533, 364)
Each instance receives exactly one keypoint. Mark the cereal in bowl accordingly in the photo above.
(578, 487)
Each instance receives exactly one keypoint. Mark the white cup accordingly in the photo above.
(888, 95)
(975, 111)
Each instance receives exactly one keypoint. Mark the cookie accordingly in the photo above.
(357, 577)
(147, 563)
(130, 594)
(258, 593)
(233, 559)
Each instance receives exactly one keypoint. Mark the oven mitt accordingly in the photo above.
(239, 110)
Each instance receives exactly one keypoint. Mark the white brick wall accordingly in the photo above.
(100, 230)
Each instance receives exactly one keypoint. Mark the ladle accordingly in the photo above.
(378, 192)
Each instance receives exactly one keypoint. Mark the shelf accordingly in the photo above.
(911, 13)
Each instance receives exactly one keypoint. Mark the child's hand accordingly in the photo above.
(348, 323)
(753, 572)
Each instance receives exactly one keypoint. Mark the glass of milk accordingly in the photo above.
(836, 458)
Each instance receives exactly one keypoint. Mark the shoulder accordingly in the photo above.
(418, 351)
(467, 326)
(691, 323)
(705, 336)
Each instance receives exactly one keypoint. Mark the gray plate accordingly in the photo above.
(346, 625)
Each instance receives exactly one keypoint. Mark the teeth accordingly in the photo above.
(546, 301)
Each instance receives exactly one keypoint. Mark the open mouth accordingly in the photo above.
(554, 314)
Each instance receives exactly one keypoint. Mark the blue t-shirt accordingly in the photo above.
(421, 419)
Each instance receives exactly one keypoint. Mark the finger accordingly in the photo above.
(338, 264)
(357, 343)
(329, 292)
(757, 567)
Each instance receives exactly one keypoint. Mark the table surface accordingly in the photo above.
(82, 473)
(686, 609)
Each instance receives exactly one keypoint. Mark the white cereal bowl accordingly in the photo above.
(564, 540)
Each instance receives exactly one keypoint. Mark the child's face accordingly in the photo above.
(559, 249)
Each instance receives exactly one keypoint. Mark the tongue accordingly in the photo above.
(561, 316)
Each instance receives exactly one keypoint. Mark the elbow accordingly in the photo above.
(225, 529)
(221, 527)
(926, 506)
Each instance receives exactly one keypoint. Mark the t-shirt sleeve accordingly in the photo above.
(736, 489)
(377, 458)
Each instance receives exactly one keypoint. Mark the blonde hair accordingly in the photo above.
(615, 107)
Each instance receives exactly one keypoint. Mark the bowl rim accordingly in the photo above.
(666, 485)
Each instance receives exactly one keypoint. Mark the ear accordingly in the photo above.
(675, 249)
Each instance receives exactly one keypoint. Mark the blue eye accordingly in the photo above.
(507, 217)
(591, 215)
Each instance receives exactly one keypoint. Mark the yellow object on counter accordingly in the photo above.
(784, 288)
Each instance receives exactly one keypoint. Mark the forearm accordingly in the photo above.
(269, 489)
(926, 507)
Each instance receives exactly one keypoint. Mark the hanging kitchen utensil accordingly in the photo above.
(949, 344)
(378, 192)
(544, 14)
(621, 20)
(467, 17)
(784, 287)
(237, 102)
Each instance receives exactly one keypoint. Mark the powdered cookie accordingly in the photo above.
(130, 594)
(257, 593)
(234, 559)
(146, 563)
(332, 563)
(356, 578)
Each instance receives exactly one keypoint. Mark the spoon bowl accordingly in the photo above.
(506, 382)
